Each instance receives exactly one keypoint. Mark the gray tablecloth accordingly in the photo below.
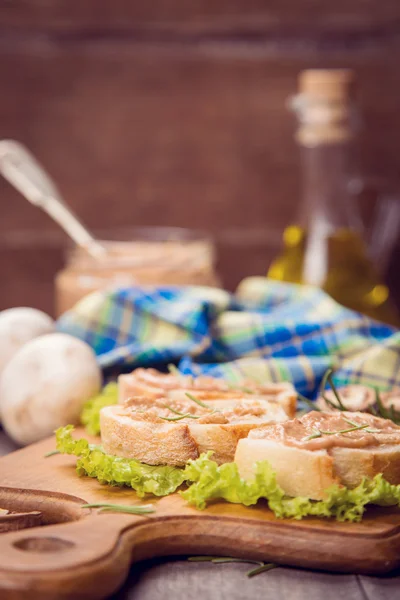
(182, 580)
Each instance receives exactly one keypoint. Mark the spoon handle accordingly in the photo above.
(23, 171)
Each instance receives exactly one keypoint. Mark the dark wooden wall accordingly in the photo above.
(173, 113)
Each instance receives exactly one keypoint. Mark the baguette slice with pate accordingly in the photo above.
(154, 432)
(153, 384)
(309, 457)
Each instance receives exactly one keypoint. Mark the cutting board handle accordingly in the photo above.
(60, 560)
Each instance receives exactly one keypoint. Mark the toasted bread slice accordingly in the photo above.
(357, 397)
(299, 472)
(306, 464)
(391, 398)
(354, 397)
(285, 398)
(153, 384)
(160, 443)
(166, 431)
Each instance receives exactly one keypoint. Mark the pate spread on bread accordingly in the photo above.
(160, 431)
(153, 384)
(320, 449)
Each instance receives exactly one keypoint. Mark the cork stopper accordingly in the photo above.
(323, 106)
(327, 85)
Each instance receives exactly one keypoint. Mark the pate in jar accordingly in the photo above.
(146, 257)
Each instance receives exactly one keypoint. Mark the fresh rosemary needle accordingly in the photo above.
(179, 417)
(51, 453)
(174, 370)
(390, 413)
(133, 510)
(312, 436)
(180, 413)
(309, 403)
(335, 392)
(327, 378)
(357, 428)
(377, 409)
(194, 399)
(356, 424)
(261, 566)
(261, 569)
(320, 432)
(241, 388)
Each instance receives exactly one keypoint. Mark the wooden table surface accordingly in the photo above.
(161, 579)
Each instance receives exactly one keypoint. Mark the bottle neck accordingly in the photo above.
(327, 170)
(325, 134)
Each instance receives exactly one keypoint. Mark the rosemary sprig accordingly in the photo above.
(174, 371)
(386, 413)
(261, 569)
(180, 413)
(320, 432)
(241, 388)
(327, 378)
(378, 409)
(309, 403)
(355, 425)
(194, 399)
(334, 390)
(313, 436)
(205, 558)
(228, 559)
(171, 418)
(51, 453)
(224, 559)
(381, 409)
(357, 428)
(179, 417)
(133, 510)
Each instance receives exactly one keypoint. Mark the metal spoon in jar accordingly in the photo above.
(22, 170)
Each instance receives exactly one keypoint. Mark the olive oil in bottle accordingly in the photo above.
(326, 247)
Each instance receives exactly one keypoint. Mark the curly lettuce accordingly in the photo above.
(90, 415)
(213, 482)
(207, 481)
(113, 470)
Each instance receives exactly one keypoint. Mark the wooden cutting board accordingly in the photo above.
(81, 553)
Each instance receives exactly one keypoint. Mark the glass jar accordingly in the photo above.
(147, 257)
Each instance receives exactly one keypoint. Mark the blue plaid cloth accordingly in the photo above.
(268, 330)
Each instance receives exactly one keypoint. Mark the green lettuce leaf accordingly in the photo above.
(207, 481)
(90, 415)
(211, 482)
(92, 461)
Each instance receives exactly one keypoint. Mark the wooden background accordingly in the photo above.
(173, 113)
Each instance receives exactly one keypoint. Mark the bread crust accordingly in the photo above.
(353, 464)
(151, 443)
(135, 429)
(153, 384)
(299, 472)
(221, 439)
(287, 399)
(310, 472)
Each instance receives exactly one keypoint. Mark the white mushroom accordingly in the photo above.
(18, 326)
(45, 385)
